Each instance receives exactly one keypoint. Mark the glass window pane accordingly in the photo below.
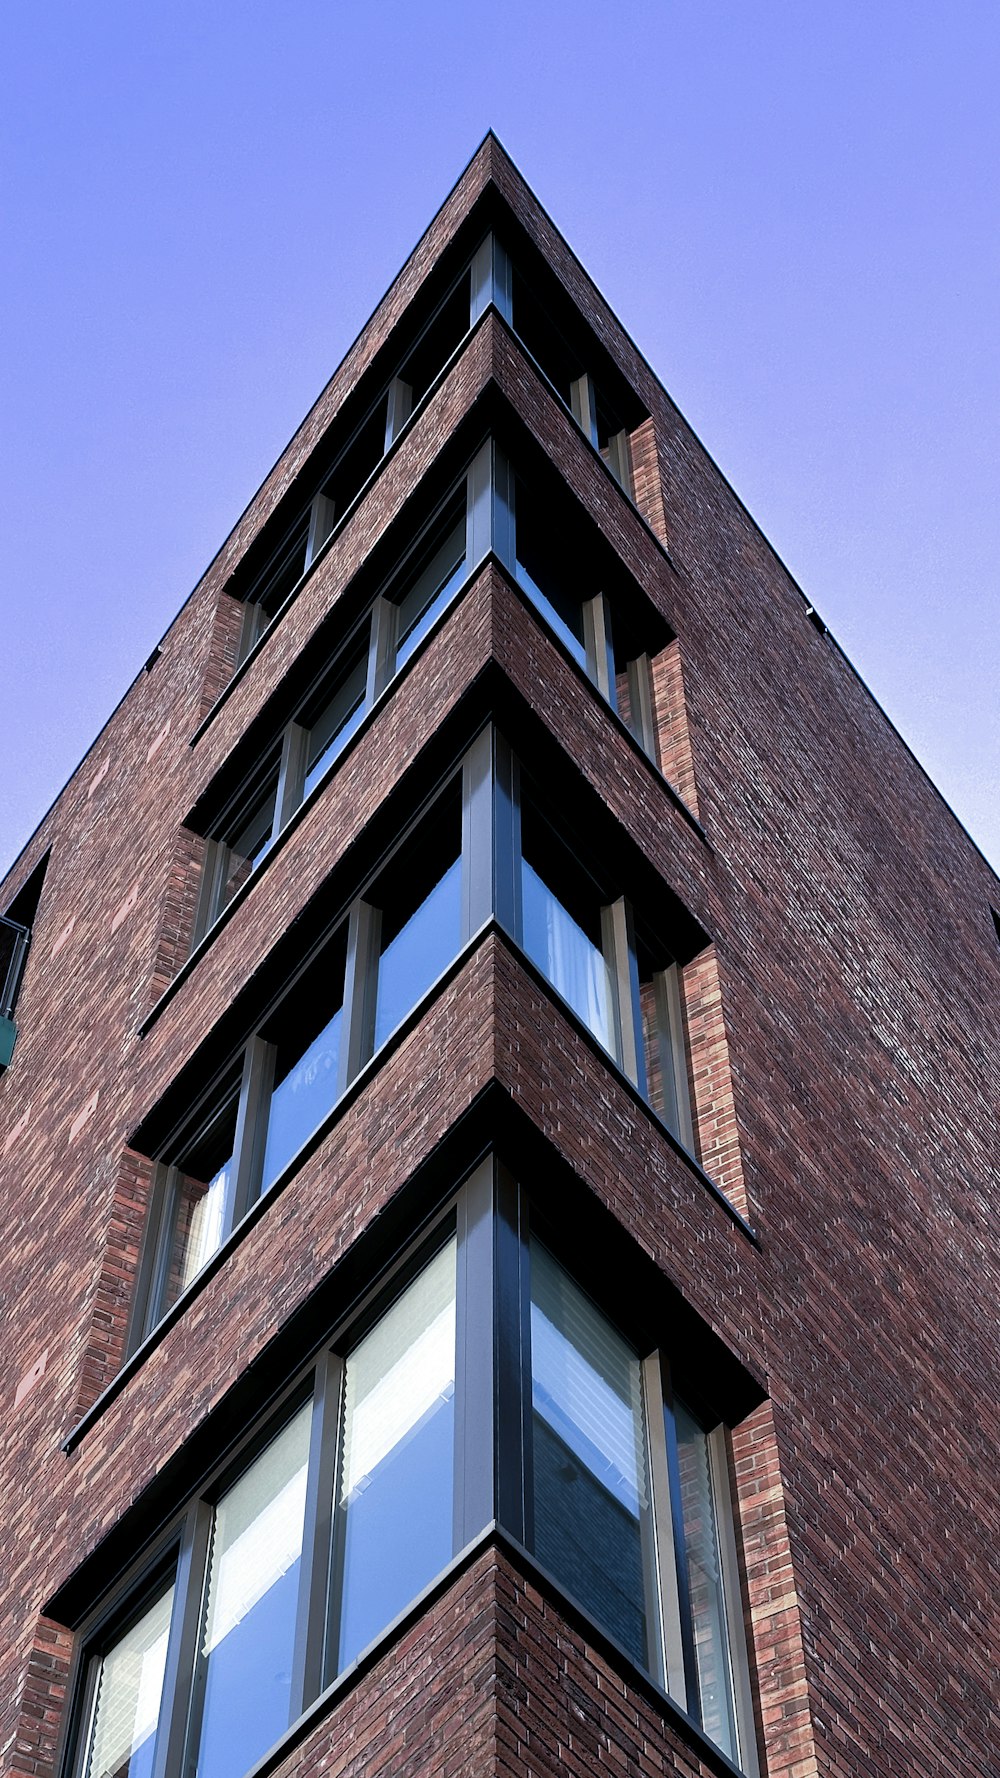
(421, 902)
(249, 843)
(307, 1034)
(590, 1485)
(201, 1203)
(561, 924)
(430, 582)
(705, 1585)
(545, 571)
(395, 1492)
(128, 1695)
(248, 1634)
(341, 712)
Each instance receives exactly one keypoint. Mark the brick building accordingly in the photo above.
(498, 1264)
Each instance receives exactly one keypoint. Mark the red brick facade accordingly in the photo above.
(839, 979)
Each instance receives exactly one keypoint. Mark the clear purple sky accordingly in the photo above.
(793, 208)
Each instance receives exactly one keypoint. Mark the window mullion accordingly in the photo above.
(600, 656)
(155, 1256)
(322, 517)
(475, 1394)
(506, 837)
(672, 1615)
(584, 405)
(491, 280)
(670, 1017)
(309, 1661)
(358, 1025)
(512, 1297)
(212, 873)
(258, 1077)
(725, 1519)
(182, 1644)
(291, 774)
(477, 834)
(619, 950)
(382, 648)
(640, 691)
(398, 408)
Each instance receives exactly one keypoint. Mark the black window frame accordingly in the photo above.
(489, 783)
(490, 274)
(489, 483)
(493, 1216)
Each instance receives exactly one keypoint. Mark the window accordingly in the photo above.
(559, 562)
(486, 848)
(15, 938)
(489, 279)
(551, 551)
(479, 1382)
(415, 594)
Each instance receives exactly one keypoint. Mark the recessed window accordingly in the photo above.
(15, 938)
(305, 1042)
(561, 925)
(418, 904)
(489, 846)
(127, 1682)
(589, 1461)
(337, 712)
(430, 581)
(242, 1690)
(200, 1195)
(395, 1483)
(481, 1382)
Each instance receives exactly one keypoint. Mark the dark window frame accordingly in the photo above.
(489, 783)
(490, 493)
(493, 1216)
(490, 275)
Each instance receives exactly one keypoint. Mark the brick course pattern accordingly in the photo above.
(844, 1064)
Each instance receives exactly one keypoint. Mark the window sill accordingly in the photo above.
(242, 668)
(605, 1056)
(137, 1358)
(299, 814)
(495, 1537)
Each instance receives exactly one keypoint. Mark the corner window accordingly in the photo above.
(480, 1382)
(486, 848)
(415, 594)
(562, 350)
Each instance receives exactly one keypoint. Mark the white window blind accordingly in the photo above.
(129, 1690)
(257, 1534)
(399, 1371)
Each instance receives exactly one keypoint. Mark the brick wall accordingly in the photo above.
(845, 1065)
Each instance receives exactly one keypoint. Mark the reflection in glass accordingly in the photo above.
(202, 1183)
(590, 1484)
(547, 574)
(336, 721)
(127, 1700)
(302, 1096)
(705, 1583)
(437, 577)
(395, 1489)
(567, 955)
(243, 1702)
(248, 846)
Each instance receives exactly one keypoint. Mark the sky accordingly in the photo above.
(794, 209)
